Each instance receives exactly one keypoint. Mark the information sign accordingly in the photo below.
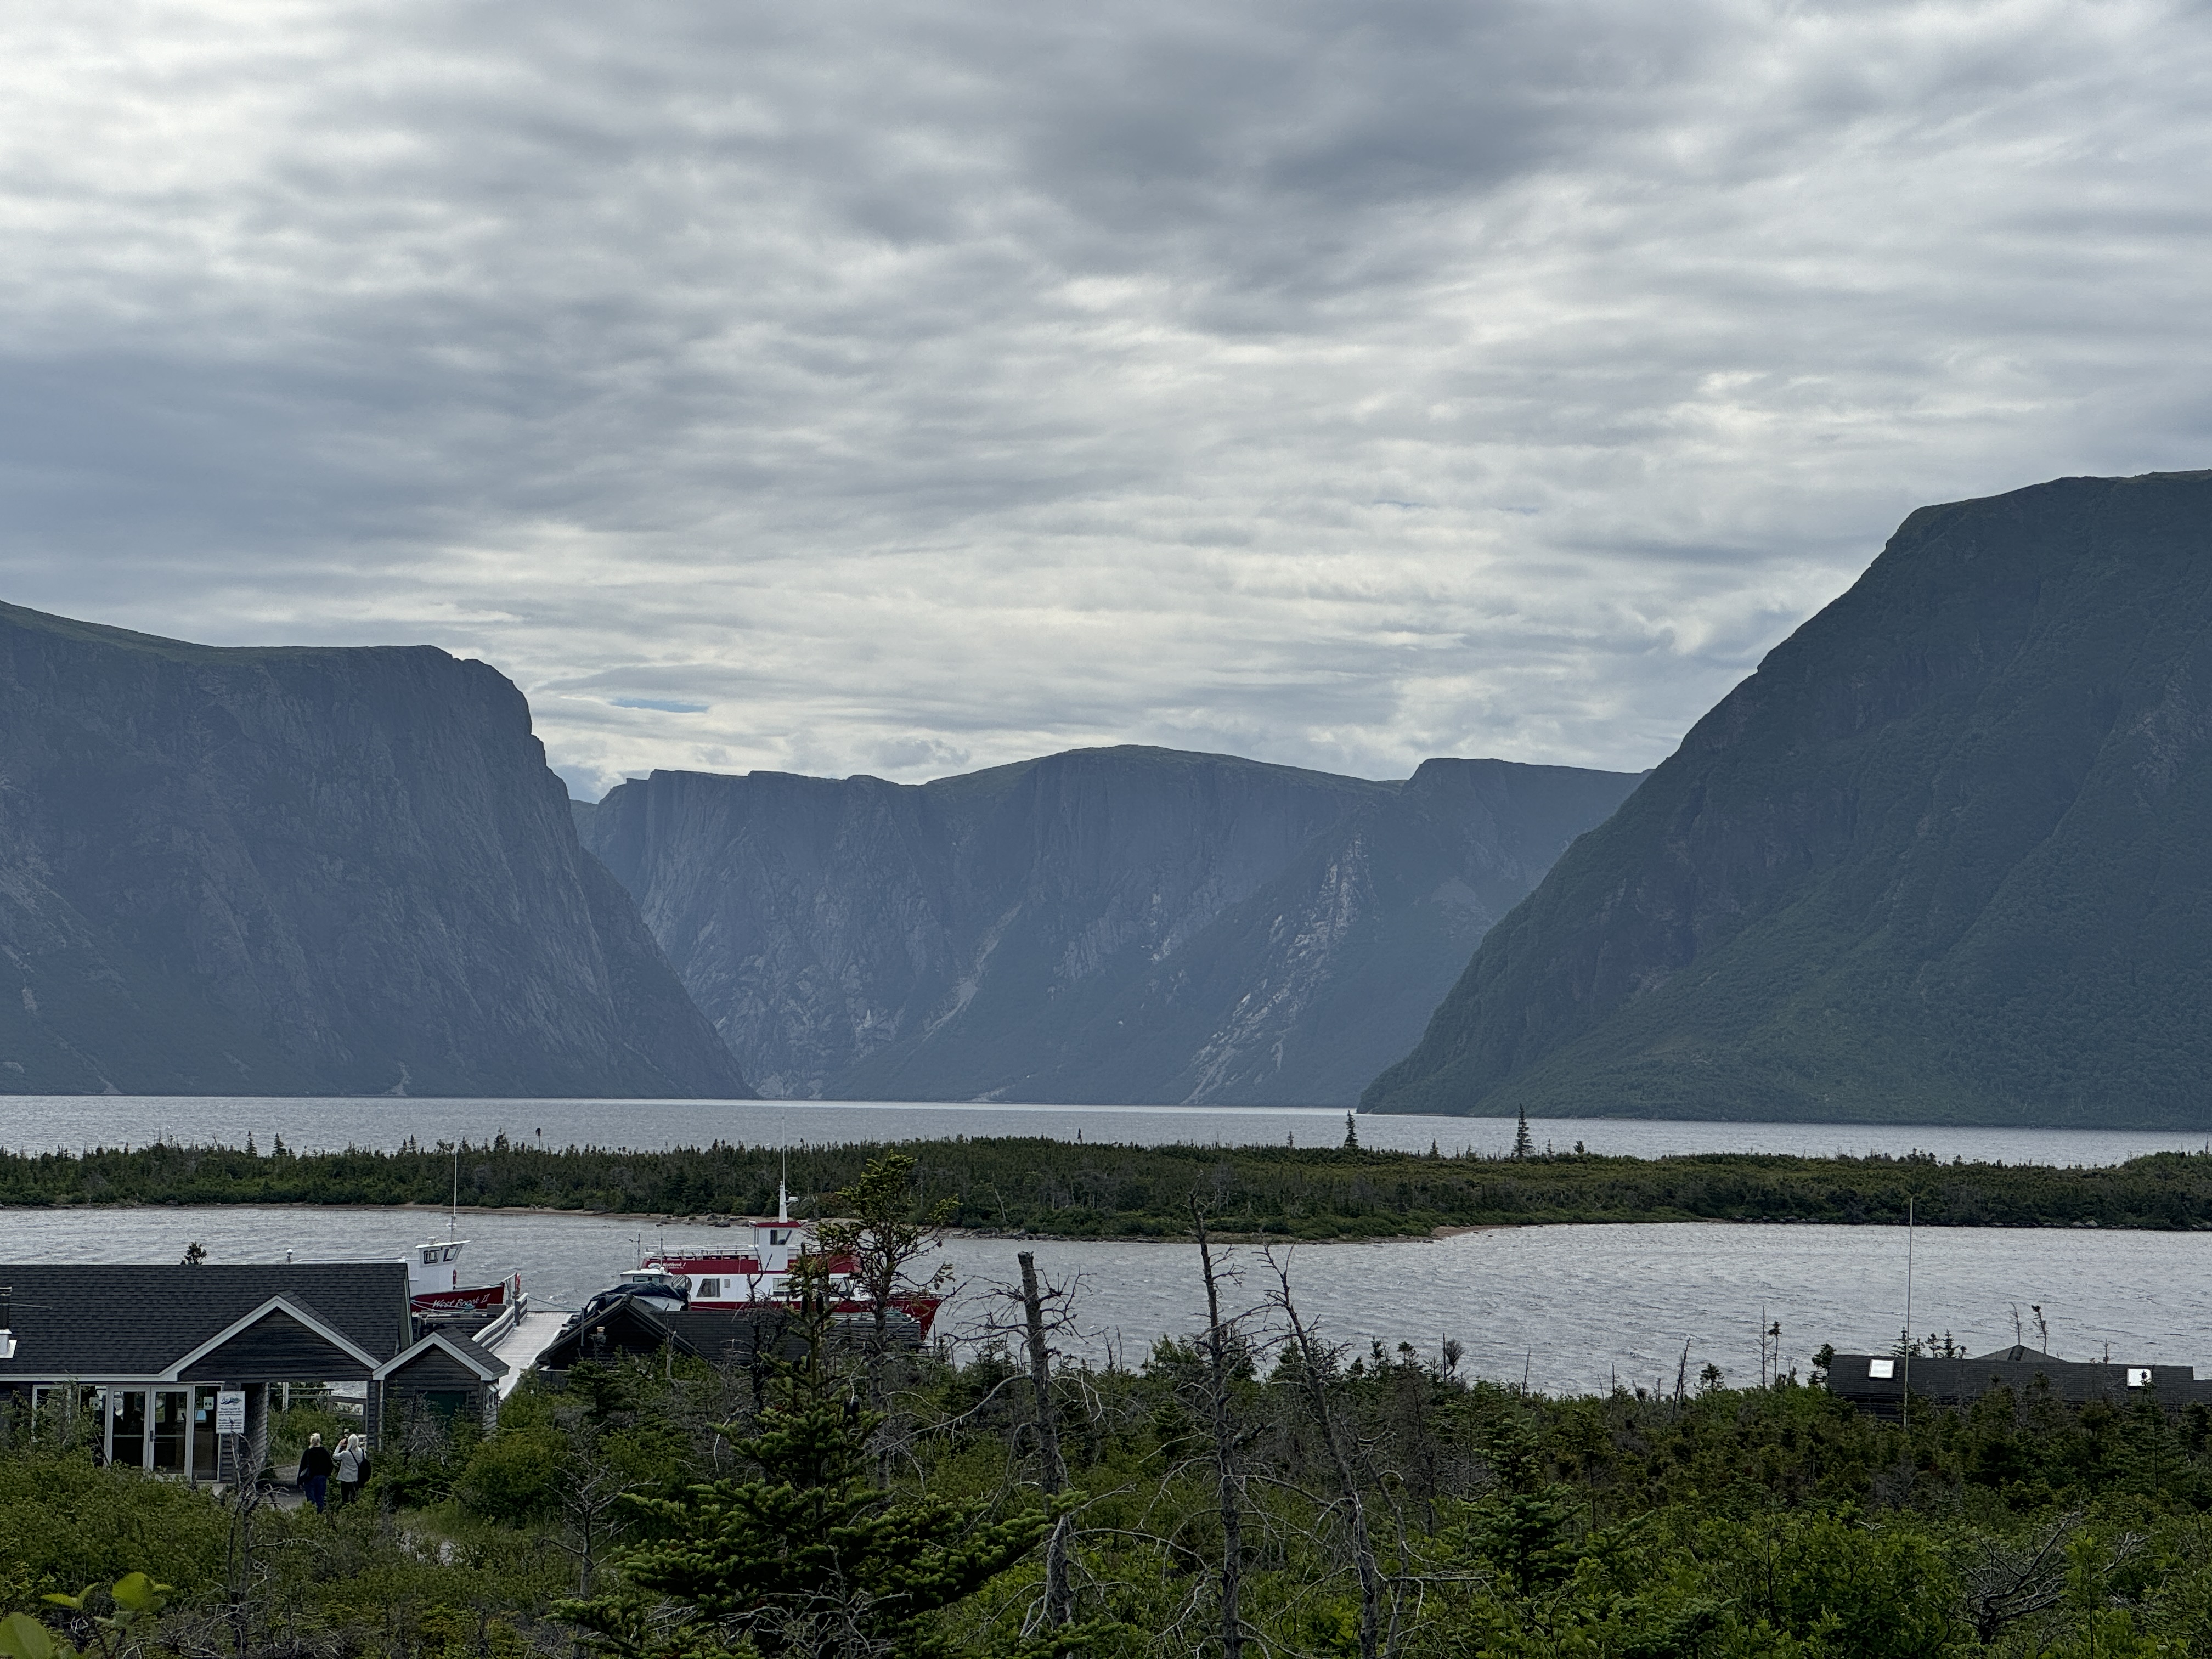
(230, 1411)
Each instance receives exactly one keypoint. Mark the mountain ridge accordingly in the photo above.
(295, 869)
(1937, 860)
(1123, 924)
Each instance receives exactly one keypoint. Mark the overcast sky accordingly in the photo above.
(903, 388)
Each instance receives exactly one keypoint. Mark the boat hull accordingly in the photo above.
(460, 1301)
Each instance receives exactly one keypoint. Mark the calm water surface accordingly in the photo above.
(72, 1121)
(1571, 1307)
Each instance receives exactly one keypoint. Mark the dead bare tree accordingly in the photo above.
(1315, 1364)
(249, 1454)
(2011, 1583)
(1059, 1592)
(1227, 1487)
(591, 1497)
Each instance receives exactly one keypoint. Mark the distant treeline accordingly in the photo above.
(1078, 1190)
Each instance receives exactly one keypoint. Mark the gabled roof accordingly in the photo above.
(480, 1360)
(295, 1309)
(98, 1320)
(624, 1326)
(723, 1335)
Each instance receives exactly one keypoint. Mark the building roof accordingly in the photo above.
(114, 1320)
(1957, 1381)
(482, 1361)
(725, 1336)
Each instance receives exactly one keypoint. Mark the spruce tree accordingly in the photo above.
(809, 1557)
(1523, 1145)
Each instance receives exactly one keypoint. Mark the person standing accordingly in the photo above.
(315, 1465)
(350, 1450)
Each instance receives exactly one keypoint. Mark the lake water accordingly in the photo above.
(72, 1121)
(1570, 1307)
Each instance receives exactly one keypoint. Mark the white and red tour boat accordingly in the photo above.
(759, 1277)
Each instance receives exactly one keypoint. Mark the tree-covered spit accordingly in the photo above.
(1055, 1188)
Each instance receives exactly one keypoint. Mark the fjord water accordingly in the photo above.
(1571, 1308)
(71, 1123)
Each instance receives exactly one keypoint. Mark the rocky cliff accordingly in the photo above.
(1116, 925)
(302, 871)
(1946, 855)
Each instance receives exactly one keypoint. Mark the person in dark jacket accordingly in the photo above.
(315, 1465)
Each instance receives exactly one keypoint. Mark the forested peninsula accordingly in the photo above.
(1053, 1188)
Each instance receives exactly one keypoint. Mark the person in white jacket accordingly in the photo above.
(352, 1454)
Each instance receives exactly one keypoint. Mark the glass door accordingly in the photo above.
(172, 1426)
(127, 1437)
(203, 1440)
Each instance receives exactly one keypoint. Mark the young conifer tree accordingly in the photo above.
(809, 1557)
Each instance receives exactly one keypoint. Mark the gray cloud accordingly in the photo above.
(905, 389)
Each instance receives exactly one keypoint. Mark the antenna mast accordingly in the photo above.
(1908, 1314)
(783, 1190)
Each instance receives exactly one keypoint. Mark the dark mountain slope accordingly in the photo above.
(308, 870)
(1127, 924)
(1946, 856)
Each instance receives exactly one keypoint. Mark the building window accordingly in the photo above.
(1882, 1368)
(2139, 1376)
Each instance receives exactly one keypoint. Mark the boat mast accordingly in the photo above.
(782, 1190)
(453, 1216)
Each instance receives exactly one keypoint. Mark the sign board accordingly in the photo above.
(230, 1411)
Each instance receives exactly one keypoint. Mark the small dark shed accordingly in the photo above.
(722, 1335)
(446, 1375)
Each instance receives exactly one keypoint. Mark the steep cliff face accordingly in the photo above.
(1127, 924)
(246, 872)
(1946, 855)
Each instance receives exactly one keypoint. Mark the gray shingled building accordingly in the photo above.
(1877, 1383)
(143, 1351)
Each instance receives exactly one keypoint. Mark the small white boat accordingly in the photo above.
(435, 1293)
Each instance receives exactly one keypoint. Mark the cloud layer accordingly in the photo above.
(903, 389)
